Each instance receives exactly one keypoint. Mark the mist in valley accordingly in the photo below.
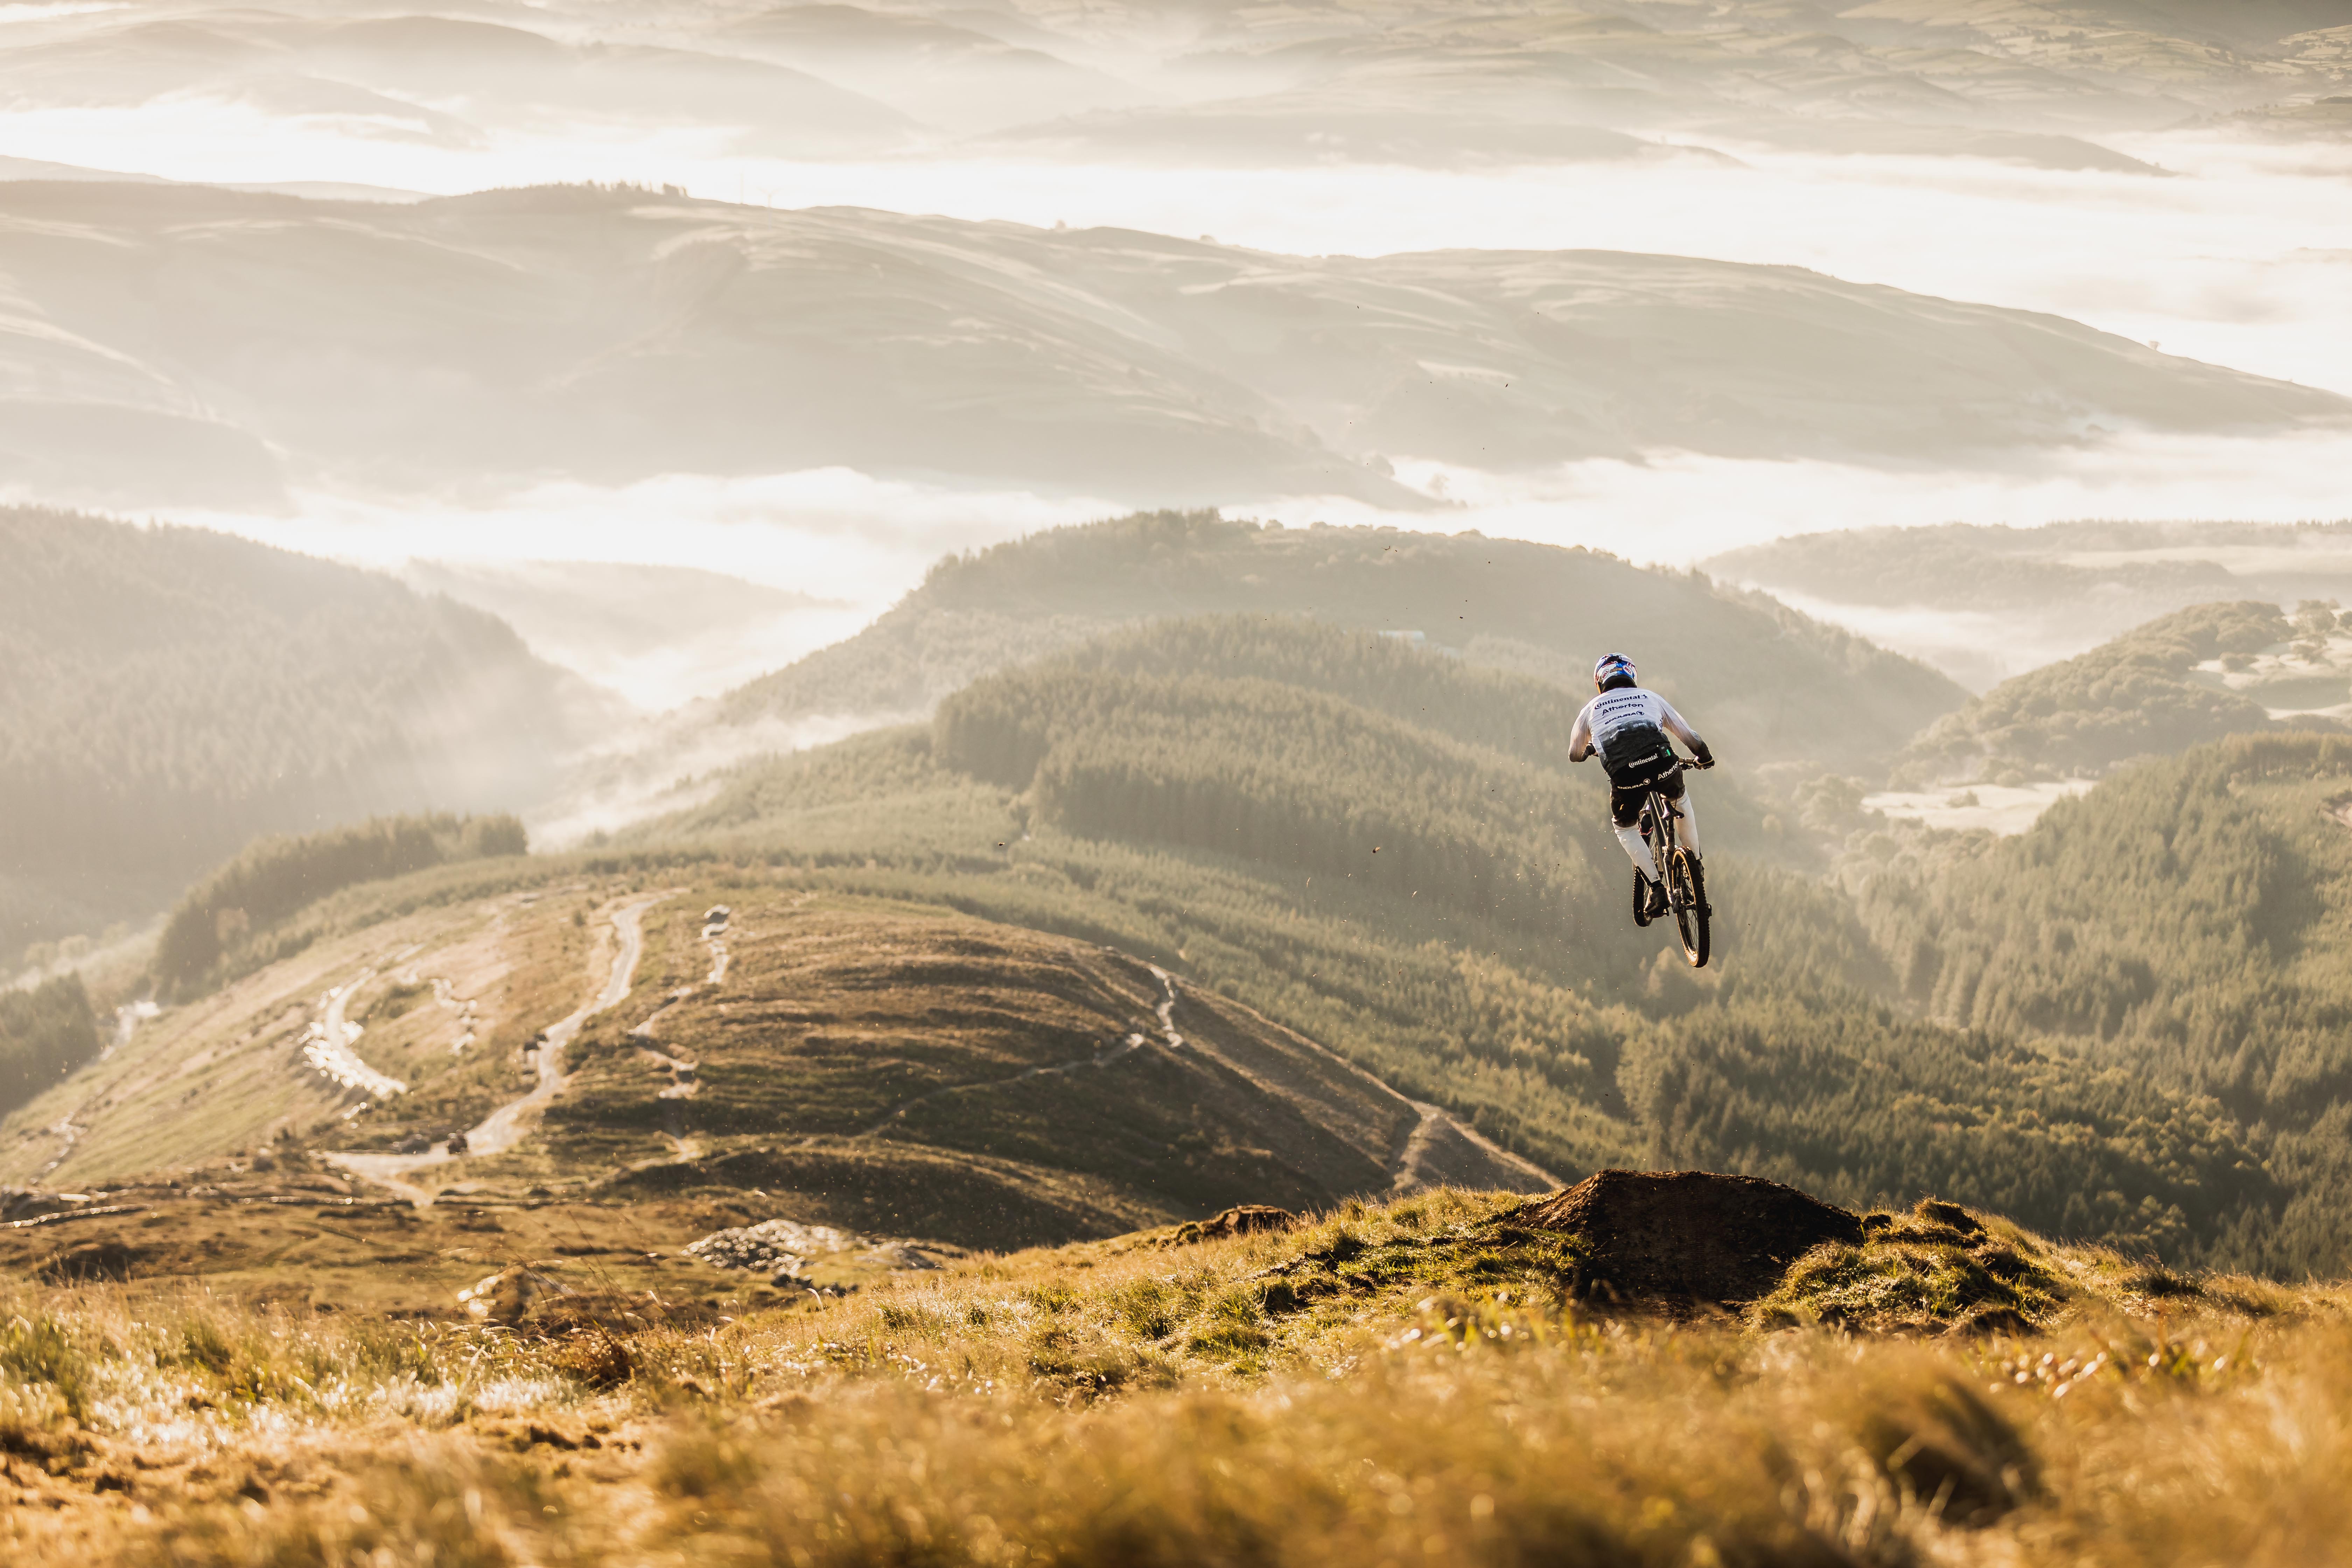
(770, 775)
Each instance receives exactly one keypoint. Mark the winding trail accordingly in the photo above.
(505, 1127)
(327, 1046)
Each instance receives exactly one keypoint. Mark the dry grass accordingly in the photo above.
(1398, 1384)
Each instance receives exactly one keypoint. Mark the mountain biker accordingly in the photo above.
(1629, 728)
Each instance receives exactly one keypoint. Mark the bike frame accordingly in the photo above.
(1686, 882)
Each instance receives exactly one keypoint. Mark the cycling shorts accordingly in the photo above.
(1629, 792)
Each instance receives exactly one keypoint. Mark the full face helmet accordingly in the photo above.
(1613, 670)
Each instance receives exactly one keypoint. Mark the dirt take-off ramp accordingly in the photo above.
(505, 1127)
(1688, 1239)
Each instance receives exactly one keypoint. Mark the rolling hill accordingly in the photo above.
(2029, 83)
(2180, 680)
(2034, 83)
(1379, 847)
(1766, 684)
(171, 694)
(191, 345)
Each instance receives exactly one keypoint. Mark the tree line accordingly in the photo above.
(275, 878)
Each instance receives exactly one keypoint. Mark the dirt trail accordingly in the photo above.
(1413, 1168)
(505, 1127)
(1416, 1164)
(327, 1046)
(1125, 1048)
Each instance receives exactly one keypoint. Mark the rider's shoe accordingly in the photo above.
(1658, 902)
(1645, 897)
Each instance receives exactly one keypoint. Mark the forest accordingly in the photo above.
(46, 1032)
(1783, 687)
(171, 693)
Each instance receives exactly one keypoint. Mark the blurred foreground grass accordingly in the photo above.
(1399, 1384)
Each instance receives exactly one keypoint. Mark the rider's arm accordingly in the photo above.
(1682, 731)
(1580, 736)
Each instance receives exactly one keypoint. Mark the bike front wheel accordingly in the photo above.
(1686, 891)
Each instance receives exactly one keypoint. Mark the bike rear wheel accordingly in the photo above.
(1686, 891)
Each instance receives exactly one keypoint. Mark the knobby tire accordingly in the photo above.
(1687, 890)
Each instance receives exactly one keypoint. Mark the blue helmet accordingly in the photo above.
(1614, 669)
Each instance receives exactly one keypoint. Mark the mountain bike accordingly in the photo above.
(1686, 878)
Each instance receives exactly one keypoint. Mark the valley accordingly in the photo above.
(1054, 962)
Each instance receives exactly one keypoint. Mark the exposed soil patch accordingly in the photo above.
(1687, 1239)
(1243, 1220)
(91, 1260)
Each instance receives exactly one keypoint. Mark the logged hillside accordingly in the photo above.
(2154, 691)
(226, 919)
(173, 694)
(192, 342)
(1763, 683)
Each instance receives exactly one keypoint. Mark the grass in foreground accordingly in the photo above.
(1389, 1384)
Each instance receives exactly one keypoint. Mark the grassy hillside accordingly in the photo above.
(866, 1064)
(175, 693)
(1387, 1383)
(1764, 684)
(2155, 690)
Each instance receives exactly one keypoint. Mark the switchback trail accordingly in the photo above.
(1133, 1042)
(505, 1127)
(1417, 1162)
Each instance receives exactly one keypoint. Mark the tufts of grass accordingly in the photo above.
(1401, 1384)
(42, 1353)
(436, 1506)
(1938, 1269)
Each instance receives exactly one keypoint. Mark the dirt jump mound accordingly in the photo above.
(1687, 1239)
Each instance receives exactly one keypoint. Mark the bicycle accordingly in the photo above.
(1686, 878)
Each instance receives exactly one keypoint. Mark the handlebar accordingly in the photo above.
(1701, 766)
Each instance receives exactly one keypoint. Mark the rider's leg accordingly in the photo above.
(1637, 851)
(1688, 830)
(1624, 812)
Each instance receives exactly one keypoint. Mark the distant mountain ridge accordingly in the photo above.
(190, 345)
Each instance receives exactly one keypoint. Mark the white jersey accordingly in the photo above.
(1624, 725)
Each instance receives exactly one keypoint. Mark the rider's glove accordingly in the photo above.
(1704, 757)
